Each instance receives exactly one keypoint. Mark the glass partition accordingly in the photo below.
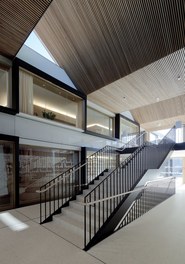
(99, 123)
(7, 175)
(38, 165)
(128, 130)
(42, 98)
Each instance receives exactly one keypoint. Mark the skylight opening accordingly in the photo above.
(35, 43)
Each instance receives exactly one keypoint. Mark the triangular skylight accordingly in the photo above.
(34, 42)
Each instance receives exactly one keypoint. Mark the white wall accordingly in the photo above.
(43, 132)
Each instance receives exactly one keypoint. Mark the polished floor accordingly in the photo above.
(158, 237)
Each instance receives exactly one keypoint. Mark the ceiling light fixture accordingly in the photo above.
(157, 99)
(179, 78)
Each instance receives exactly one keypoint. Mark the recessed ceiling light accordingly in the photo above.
(124, 97)
(179, 78)
(157, 99)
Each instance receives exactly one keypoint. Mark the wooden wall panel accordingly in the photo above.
(17, 20)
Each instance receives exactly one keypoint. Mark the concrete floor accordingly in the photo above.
(158, 237)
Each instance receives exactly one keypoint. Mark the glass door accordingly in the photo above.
(7, 175)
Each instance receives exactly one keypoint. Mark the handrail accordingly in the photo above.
(129, 210)
(52, 185)
(79, 167)
(126, 213)
(122, 164)
(125, 193)
(133, 139)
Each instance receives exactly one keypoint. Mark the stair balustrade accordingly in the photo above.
(152, 194)
(57, 193)
(99, 218)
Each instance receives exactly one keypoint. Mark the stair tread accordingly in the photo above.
(71, 235)
(70, 221)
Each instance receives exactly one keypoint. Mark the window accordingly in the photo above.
(38, 165)
(43, 99)
(100, 123)
(5, 91)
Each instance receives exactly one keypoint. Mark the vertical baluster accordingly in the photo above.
(49, 199)
(121, 182)
(107, 202)
(45, 198)
(95, 211)
(131, 173)
(58, 192)
(90, 218)
(62, 190)
(99, 207)
(129, 182)
(85, 222)
(114, 191)
(110, 191)
(126, 177)
(40, 194)
(54, 198)
(103, 206)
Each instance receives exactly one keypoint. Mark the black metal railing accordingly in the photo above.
(153, 193)
(56, 193)
(122, 179)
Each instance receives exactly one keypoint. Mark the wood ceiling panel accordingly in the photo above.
(161, 110)
(98, 42)
(158, 81)
(163, 123)
(17, 20)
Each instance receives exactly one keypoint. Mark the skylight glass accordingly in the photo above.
(34, 42)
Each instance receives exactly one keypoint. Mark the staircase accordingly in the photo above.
(70, 224)
(90, 214)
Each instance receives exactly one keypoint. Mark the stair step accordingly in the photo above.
(77, 206)
(67, 222)
(75, 214)
(75, 225)
(67, 231)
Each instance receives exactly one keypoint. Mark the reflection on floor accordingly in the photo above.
(158, 237)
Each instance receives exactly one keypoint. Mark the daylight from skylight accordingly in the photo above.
(36, 44)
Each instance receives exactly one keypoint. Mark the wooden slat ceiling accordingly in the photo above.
(158, 81)
(99, 42)
(161, 112)
(17, 20)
